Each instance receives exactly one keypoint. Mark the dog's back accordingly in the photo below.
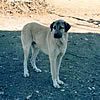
(35, 32)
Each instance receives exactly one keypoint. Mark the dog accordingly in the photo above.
(51, 40)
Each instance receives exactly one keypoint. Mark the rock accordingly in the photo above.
(1, 92)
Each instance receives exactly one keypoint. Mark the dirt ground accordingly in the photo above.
(80, 69)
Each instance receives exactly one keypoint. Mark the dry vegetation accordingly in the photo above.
(83, 15)
(25, 8)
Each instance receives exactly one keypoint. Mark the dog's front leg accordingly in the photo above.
(53, 71)
(58, 64)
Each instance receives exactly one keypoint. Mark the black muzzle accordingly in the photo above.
(57, 34)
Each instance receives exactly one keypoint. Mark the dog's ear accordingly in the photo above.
(67, 26)
(51, 26)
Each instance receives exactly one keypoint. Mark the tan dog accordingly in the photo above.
(52, 41)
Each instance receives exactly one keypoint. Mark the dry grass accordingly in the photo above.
(24, 8)
(83, 15)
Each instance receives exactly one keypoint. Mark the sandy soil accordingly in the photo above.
(84, 16)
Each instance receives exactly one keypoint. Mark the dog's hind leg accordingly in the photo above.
(26, 48)
(26, 54)
(35, 52)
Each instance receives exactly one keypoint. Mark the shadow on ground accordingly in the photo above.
(80, 70)
(95, 22)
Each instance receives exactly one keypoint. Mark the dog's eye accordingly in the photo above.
(54, 27)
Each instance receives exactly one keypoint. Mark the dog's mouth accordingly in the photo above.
(57, 34)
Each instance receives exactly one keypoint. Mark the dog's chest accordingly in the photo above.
(62, 45)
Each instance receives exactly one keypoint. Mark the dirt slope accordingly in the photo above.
(84, 16)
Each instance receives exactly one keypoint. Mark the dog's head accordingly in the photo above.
(59, 27)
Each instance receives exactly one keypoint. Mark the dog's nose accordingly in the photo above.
(57, 35)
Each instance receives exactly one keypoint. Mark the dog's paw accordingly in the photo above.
(55, 84)
(60, 82)
(37, 69)
(26, 74)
